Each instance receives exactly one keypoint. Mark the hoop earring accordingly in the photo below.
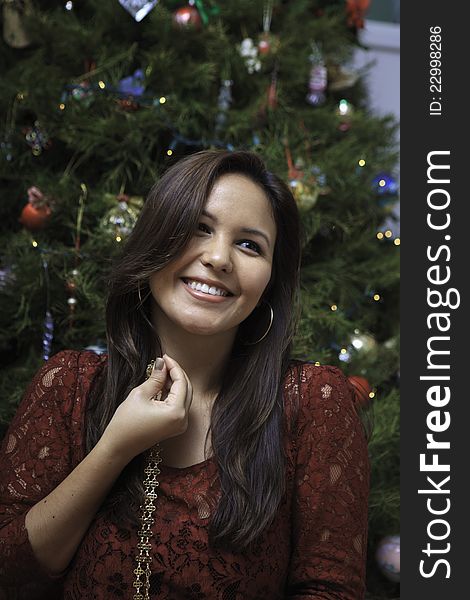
(267, 330)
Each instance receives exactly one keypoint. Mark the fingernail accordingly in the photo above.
(158, 365)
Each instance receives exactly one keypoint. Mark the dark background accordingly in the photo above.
(420, 134)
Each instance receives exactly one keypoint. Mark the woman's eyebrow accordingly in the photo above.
(243, 229)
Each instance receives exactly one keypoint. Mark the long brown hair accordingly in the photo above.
(247, 416)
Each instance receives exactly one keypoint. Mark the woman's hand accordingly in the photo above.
(142, 420)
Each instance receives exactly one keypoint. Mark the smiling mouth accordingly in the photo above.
(198, 286)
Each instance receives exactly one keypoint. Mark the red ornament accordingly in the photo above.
(268, 44)
(36, 213)
(362, 390)
(264, 46)
(35, 218)
(356, 10)
(187, 17)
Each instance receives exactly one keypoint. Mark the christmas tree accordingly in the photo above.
(100, 98)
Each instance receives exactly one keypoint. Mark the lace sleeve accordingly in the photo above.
(34, 459)
(331, 491)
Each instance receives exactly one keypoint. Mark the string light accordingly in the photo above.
(362, 162)
(102, 84)
(317, 363)
(334, 307)
(371, 395)
(376, 297)
(118, 238)
(343, 107)
(382, 183)
(343, 350)
(169, 152)
(69, 5)
(380, 235)
(34, 243)
(162, 100)
(396, 241)
(388, 233)
(62, 106)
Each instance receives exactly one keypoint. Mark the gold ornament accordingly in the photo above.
(119, 221)
(305, 195)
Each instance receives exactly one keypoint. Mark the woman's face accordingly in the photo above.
(221, 275)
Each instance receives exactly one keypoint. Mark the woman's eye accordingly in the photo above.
(203, 227)
(252, 246)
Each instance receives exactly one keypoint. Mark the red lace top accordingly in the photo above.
(315, 548)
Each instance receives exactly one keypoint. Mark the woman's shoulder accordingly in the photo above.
(75, 359)
(310, 387)
(73, 364)
(66, 374)
(57, 392)
(309, 376)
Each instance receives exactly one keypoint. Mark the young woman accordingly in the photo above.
(195, 459)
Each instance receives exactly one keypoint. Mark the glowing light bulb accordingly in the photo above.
(362, 163)
(334, 307)
(344, 107)
(102, 84)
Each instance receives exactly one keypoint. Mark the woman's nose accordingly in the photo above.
(217, 254)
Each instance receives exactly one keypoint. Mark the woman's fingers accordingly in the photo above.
(180, 385)
(157, 379)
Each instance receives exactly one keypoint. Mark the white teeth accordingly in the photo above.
(203, 287)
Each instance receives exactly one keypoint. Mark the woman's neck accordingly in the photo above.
(203, 358)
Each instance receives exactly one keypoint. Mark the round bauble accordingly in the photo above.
(187, 17)
(120, 219)
(362, 389)
(363, 342)
(35, 218)
(268, 44)
(387, 556)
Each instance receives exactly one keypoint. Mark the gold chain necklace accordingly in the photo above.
(143, 556)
